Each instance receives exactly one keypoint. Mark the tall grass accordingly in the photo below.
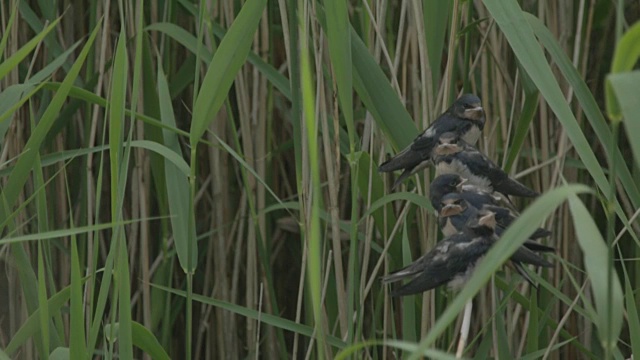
(199, 179)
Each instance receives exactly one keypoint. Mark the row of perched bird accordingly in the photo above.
(471, 197)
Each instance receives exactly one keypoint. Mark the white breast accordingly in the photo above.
(472, 136)
(457, 167)
(448, 229)
(459, 280)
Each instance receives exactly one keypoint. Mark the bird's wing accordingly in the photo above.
(426, 141)
(480, 164)
(505, 217)
(452, 256)
(526, 256)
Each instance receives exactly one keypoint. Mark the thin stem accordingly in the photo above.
(611, 220)
(464, 329)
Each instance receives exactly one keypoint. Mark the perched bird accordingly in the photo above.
(476, 196)
(464, 118)
(457, 212)
(453, 155)
(453, 260)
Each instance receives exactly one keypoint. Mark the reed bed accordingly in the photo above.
(199, 180)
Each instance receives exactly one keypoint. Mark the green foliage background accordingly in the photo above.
(187, 179)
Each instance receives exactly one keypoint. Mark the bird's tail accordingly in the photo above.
(515, 188)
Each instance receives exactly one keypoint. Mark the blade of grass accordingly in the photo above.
(313, 239)
(118, 163)
(510, 18)
(348, 352)
(594, 247)
(177, 182)
(590, 108)
(117, 96)
(18, 177)
(623, 86)
(337, 30)
(379, 98)
(624, 59)
(43, 225)
(31, 326)
(436, 16)
(189, 41)
(42, 301)
(125, 345)
(225, 64)
(410, 319)
(60, 353)
(145, 340)
(633, 320)
(54, 234)
(14, 96)
(16, 58)
(522, 128)
(5, 35)
(77, 346)
(268, 319)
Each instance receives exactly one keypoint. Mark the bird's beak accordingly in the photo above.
(450, 210)
(488, 220)
(475, 113)
(445, 149)
(459, 187)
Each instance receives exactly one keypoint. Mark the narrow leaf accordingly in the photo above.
(224, 66)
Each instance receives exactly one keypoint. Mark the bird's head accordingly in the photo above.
(448, 144)
(443, 185)
(452, 205)
(484, 223)
(468, 106)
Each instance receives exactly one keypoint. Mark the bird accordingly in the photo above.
(475, 195)
(453, 260)
(465, 117)
(453, 155)
(455, 212)
(449, 188)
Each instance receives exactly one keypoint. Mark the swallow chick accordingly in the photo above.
(456, 212)
(445, 185)
(475, 195)
(453, 155)
(465, 118)
(522, 256)
(453, 260)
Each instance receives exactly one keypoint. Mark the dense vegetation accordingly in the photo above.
(187, 179)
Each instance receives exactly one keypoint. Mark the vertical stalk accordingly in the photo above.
(611, 221)
(611, 201)
(190, 239)
(313, 235)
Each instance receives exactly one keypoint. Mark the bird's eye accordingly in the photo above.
(468, 106)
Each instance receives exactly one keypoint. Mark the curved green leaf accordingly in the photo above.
(15, 59)
(381, 100)
(268, 319)
(595, 249)
(625, 88)
(18, 177)
(624, 58)
(224, 66)
(145, 340)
